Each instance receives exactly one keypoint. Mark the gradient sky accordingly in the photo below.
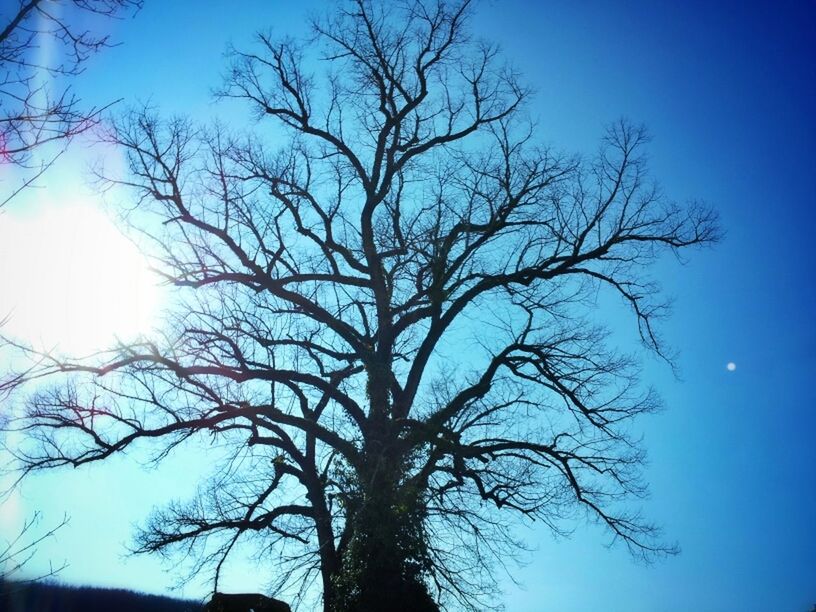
(728, 92)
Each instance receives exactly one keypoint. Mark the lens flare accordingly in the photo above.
(71, 281)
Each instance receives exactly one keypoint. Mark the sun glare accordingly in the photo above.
(70, 281)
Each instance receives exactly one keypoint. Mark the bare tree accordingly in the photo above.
(18, 551)
(391, 317)
(32, 114)
(33, 111)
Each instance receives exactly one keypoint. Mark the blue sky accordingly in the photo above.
(728, 92)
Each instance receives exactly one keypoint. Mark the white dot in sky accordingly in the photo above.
(731, 366)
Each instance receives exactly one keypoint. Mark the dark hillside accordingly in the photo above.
(49, 597)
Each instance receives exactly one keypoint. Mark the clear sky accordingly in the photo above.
(728, 91)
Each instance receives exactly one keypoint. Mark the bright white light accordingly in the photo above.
(731, 366)
(69, 280)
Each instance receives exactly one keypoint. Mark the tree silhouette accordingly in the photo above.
(36, 107)
(15, 553)
(390, 314)
(33, 114)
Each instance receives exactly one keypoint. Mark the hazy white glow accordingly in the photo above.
(70, 281)
(731, 366)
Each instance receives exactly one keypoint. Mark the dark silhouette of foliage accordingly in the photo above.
(49, 597)
(390, 316)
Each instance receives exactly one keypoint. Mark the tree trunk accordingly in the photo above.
(386, 557)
